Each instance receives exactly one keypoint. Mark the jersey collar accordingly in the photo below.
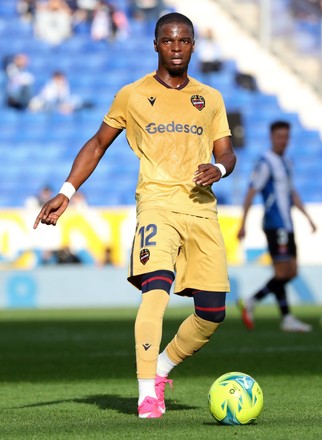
(173, 88)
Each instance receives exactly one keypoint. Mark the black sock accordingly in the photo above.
(277, 286)
(262, 292)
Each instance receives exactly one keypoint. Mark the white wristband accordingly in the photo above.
(68, 190)
(221, 168)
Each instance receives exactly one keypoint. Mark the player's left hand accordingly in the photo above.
(207, 174)
(313, 225)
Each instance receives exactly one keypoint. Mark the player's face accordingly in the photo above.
(174, 45)
(280, 138)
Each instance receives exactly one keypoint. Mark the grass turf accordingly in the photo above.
(70, 374)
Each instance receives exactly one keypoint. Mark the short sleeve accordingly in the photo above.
(220, 123)
(116, 116)
(260, 175)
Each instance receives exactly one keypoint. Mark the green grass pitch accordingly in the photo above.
(70, 374)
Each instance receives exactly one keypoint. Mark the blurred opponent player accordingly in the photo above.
(174, 124)
(272, 177)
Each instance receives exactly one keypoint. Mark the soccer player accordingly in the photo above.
(272, 177)
(174, 124)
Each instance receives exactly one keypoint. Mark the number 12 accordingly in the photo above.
(147, 233)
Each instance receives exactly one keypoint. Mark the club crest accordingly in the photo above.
(198, 101)
(144, 255)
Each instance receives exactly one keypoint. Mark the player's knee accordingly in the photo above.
(215, 316)
(210, 306)
(281, 282)
(289, 278)
(157, 280)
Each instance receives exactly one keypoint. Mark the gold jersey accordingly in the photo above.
(171, 131)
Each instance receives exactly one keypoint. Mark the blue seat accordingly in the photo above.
(17, 29)
(8, 133)
(9, 116)
(8, 10)
(39, 148)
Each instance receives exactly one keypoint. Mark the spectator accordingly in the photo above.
(45, 193)
(61, 256)
(108, 22)
(72, 4)
(86, 9)
(65, 256)
(79, 202)
(53, 21)
(108, 257)
(56, 96)
(121, 24)
(149, 10)
(102, 23)
(26, 9)
(209, 52)
(19, 82)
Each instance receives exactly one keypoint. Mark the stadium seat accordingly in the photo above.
(39, 148)
(8, 10)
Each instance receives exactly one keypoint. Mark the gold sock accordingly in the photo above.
(148, 332)
(192, 335)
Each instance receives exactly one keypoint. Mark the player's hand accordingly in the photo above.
(207, 174)
(241, 233)
(52, 210)
(313, 226)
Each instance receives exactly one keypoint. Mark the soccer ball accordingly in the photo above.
(235, 399)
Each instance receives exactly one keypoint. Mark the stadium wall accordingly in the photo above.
(93, 287)
(25, 282)
(91, 230)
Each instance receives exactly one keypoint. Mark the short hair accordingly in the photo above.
(279, 124)
(173, 17)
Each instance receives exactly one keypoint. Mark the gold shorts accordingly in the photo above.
(190, 246)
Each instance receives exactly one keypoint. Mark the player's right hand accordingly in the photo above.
(52, 210)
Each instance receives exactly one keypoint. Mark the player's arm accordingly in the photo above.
(299, 205)
(225, 159)
(246, 206)
(84, 164)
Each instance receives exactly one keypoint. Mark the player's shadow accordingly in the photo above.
(221, 425)
(124, 405)
(196, 197)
